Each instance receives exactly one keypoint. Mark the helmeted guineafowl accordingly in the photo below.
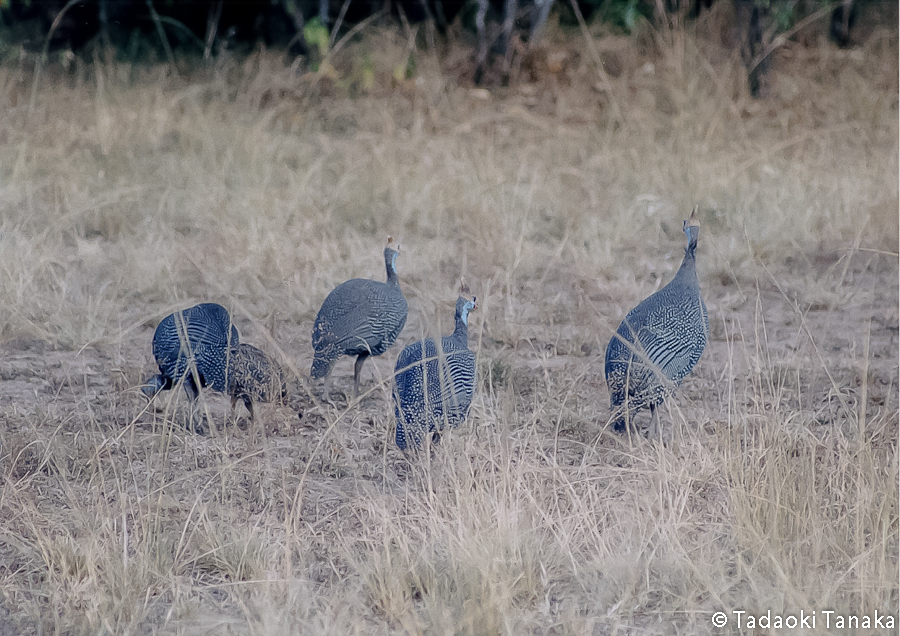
(254, 377)
(659, 342)
(359, 318)
(199, 337)
(433, 390)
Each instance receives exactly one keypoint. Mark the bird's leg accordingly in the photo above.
(190, 387)
(197, 422)
(201, 426)
(327, 391)
(249, 404)
(193, 393)
(233, 402)
(357, 369)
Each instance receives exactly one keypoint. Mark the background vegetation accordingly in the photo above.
(129, 189)
(146, 31)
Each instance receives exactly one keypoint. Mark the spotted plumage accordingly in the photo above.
(360, 318)
(254, 377)
(193, 345)
(659, 342)
(434, 390)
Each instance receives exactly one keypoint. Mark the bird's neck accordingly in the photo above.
(392, 277)
(688, 270)
(462, 330)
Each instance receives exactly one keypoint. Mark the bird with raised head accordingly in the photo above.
(361, 318)
(658, 342)
(434, 389)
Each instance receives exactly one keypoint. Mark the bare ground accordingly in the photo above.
(77, 430)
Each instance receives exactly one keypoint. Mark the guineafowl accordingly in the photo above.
(431, 389)
(659, 342)
(254, 376)
(359, 318)
(196, 339)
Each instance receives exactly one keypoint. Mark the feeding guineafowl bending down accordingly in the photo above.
(359, 318)
(431, 389)
(198, 338)
(659, 342)
(254, 377)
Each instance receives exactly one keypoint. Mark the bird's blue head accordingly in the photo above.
(153, 386)
(464, 306)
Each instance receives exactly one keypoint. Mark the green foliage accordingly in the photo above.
(362, 76)
(623, 14)
(316, 35)
(405, 70)
(783, 15)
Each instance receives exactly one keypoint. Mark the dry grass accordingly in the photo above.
(127, 193)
